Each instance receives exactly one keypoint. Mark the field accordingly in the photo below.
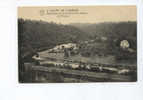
(55, 67)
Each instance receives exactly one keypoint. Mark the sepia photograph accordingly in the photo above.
(77, 44)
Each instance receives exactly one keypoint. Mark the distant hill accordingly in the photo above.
(40, 34)
(115, 32)
(109, 29)
(36, 36)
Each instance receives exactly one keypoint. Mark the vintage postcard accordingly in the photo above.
(77, 44)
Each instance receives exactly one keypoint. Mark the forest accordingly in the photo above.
(39, 35)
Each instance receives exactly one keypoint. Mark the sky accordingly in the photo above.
(80, 14)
